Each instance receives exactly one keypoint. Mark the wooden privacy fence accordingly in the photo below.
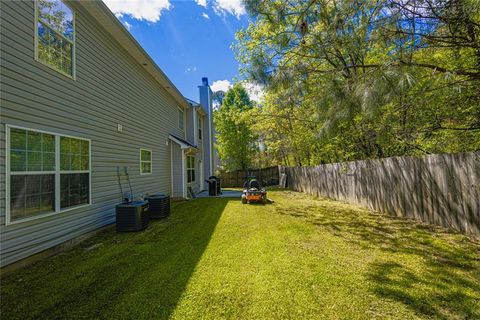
(441, 189)
(235, 179)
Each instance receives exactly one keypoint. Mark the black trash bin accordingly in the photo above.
(212, 187)
(219, 184)
(159, 205)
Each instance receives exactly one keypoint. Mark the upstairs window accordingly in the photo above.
(145, 161)
(55, 36)
(181, 119)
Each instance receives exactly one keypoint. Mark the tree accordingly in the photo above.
(235, 139)
(217, 97)
(352, 79)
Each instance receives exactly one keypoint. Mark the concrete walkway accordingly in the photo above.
(226, 193)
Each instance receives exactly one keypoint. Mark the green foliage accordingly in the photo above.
(217, 97)
(350, 80)
(237, 98)
(235, 138)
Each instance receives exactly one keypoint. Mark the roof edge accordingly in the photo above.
(106, 18)
(184, 144)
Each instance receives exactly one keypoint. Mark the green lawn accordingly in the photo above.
(299, 258)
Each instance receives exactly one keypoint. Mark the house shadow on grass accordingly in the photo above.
(430, 270)
(128, 276)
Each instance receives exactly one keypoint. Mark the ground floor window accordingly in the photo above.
(145, 161)
(46, 173)
(190, 169)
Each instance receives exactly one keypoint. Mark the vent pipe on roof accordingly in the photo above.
(205, 81)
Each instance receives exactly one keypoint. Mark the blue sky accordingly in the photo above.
(187, 39)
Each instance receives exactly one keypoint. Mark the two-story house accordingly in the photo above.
(82, 107)
(193, 155)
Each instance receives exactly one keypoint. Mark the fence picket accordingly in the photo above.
(441, 189)
(268, 176)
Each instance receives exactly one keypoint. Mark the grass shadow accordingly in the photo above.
(131, 275)
(430, 270)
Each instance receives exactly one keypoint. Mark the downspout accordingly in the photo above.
(171, 169)
(184, 184)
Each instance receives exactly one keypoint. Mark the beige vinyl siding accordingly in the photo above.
(177, 171)
(189, 125)
(111, 88)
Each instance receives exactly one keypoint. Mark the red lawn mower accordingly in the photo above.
(254, 192)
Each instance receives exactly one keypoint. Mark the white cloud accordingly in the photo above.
(255, 91)
(205, 15)
(220, 85)
(202, 3)
(234, 7)
(149, 10)
(127, 25)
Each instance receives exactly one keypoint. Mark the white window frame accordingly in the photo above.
(57, 174)
(72, 76)
(182, 122)
(191, 169)
(142, 161)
